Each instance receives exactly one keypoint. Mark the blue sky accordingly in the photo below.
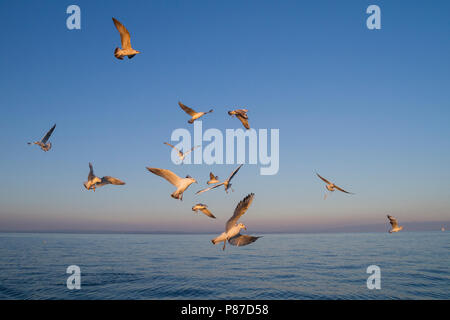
(368, 109)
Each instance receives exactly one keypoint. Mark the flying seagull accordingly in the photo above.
(213, 179)
(126, 50)
(194, 115)
(181, 183)
(241, 114)
(232, 228)
(331, 186)
(226, 183)
(394, 224)
(203, 208)
(43, 143)
(180, 154)
(95, 182)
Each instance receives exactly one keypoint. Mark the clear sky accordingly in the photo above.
(368, 109)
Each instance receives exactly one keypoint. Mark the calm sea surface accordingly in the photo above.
(414, 265)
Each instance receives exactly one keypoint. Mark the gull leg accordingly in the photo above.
(224, 243)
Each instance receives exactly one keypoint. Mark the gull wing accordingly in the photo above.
(192, 149)
(171, 146)
(186, 109)
(91, 172)
(240, 240)
(48, 134)
(207, 212)
(110, 180)
(244, 120)
(166, 174)
(211, 176)
(210, 188)
(325, 180)
(234, 173)
(393, 221)
(241, 208)
(124, 34)
(242, 113)
(340, 189)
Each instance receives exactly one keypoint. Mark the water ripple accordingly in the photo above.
(413, 265)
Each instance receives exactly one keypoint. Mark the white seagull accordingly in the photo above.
(226, 183)
(181, 183)
(232, 228)
(394, 224)
(126, 50)
(194, 115)
(180, 154)
(95, 182)
(203, 208)
(241, 114)
(43, 143)
(331, 186)
(213, 179)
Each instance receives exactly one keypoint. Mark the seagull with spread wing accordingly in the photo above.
(180, 153)
(226, 183)
(394, 224)
(213, 179)
(331, 186)
(232, 232)
(181, 183)
(127, 50)
(241, 114)
(95, 182)
(43, 143)
(203, 208)
(194, 115)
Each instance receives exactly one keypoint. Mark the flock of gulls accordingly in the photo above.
(232, 233)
